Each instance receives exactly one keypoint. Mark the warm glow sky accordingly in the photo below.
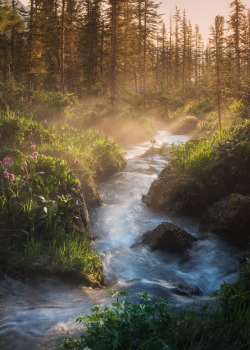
(201, 12)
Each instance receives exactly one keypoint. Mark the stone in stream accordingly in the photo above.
(169, 238)
(179, 194)
(229, 217)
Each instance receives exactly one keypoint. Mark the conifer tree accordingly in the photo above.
(217, 49)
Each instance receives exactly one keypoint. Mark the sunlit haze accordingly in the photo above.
(198, 11)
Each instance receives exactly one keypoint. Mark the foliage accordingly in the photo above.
(41, 213)
(196, 155)
(40, 216)
(200, 108)
(125, 325)
(152, 324)
(40, 190)
(15, 130)
(240, 109)
(46, 105)
(10, 92)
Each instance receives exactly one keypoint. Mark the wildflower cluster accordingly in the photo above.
(7, 162)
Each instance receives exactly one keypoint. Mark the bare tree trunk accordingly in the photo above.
(145, 50)
(31, 31)
(113, 51)
(62, 47)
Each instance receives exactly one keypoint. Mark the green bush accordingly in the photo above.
(16, 130)
(10, 93)
(46, 105)
(200, 108)
(240, 109)
(37, 192)
(125, 325)
(152, 324)
(41, 222)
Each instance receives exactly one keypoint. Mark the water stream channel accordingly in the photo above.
(34, 313)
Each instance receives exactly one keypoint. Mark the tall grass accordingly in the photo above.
(196, 155)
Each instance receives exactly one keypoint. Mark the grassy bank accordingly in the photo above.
(42, 210)
(195, 156)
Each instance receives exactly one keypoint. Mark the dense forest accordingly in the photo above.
(121, 49)
(124, 173)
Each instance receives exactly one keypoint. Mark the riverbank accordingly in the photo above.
(46, 176)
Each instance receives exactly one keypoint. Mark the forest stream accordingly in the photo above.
(33, 314)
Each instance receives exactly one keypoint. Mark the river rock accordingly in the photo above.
(180, 194)
(169, 238)
(229, 217)
(185, 125)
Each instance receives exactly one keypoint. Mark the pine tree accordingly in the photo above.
(217, 49)
(236, 26)
(177, 43)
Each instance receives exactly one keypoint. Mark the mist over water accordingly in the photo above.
(32, 313)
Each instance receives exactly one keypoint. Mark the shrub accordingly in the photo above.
(37, 192)
(10, 92)
(46, 105)
(186, 125)
(152, 324)
(41, 220)
(125, 325)
(15, 130)
(240, 109)
(200, 108)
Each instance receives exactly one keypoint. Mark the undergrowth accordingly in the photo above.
(153, 324)
(42, 216)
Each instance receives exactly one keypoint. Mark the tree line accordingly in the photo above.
(115, 48)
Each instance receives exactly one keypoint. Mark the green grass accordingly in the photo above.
(194, 157)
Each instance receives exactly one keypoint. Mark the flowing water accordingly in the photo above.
(33, 313)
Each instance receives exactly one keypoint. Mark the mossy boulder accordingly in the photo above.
(190, 192)
(180, 194)
(185, 125)
(229, 217)
(169, 238)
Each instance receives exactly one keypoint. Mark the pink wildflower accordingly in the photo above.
(33, 146)
(24, 164)
(6, 160)
(28, 177)
(24, 144)
(77, 161)
(6, 174)
(1, 162)
(12, 177)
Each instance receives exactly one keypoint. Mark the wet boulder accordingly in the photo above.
(229, 217)
(169, 238)
(179, 194)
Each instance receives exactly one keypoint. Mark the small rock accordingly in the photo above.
(169, 238)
